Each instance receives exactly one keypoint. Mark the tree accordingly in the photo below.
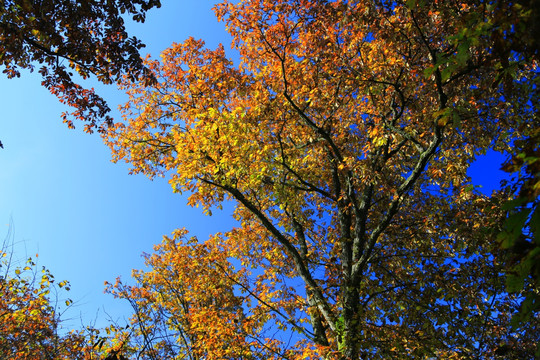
(29, 321)
(516, 44)
(30, 316)
(85, 37)
(511, 31)
(178, 313)
(343, 135)
(521, 232)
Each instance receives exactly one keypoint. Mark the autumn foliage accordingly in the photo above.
(33, 324)
(343, 135)
(342, 132)
(30, 315)
(63, 37)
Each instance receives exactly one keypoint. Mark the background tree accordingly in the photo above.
(516, 44)
(186, 306)
(30, 314)
(344, 135)
(85, 37)
(510, 33)
(521, 232)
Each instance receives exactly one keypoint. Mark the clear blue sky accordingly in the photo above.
(85, 216)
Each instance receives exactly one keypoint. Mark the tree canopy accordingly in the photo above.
(66, 37)
(521, 232)
(30, 312)
(343, 135)
(33, 305)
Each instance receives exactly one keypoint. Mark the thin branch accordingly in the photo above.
(300, 266)
(398, 199)
(301, 329)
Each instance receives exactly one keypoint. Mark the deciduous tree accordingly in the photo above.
(30, 314)
(516, 44)
(343, 135)
(66, 37)
(186, 305)
(32, 309)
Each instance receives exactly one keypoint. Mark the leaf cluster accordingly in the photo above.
(343, 136)
(66, 37)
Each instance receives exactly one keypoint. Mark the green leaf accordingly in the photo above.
(468, 188)
(456, 119)
(513, 227)
(462, 54)
(514, 283)
(429, 71)
(512, 204)
(411, 4)
(446, 73)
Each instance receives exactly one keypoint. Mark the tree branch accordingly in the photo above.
(300, 266)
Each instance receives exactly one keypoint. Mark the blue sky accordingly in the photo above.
(85, 216)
